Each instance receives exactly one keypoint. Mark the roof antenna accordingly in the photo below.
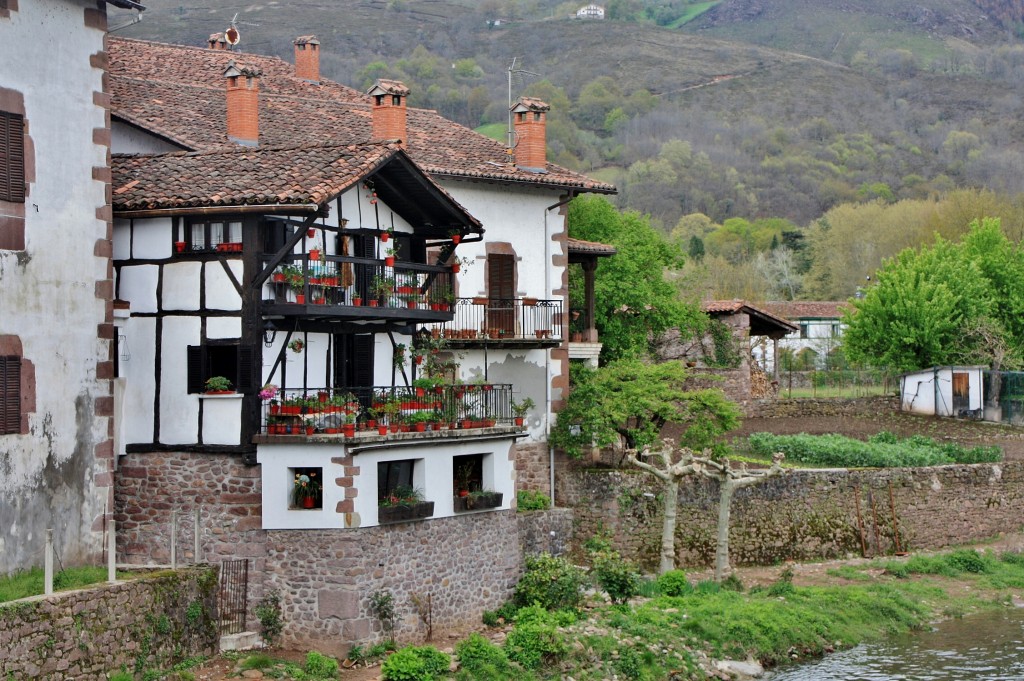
(231, 35)
(517, 75)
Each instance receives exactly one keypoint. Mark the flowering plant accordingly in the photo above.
(296, 345)
(305, 487)
(401, 495)
(268, 391)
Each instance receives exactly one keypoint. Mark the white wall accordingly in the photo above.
(48, 294)
(930, 391)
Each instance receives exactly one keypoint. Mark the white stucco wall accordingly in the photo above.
(930, 391)
(48, 291)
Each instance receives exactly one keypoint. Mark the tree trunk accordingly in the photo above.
(668, 529)
(722, 569)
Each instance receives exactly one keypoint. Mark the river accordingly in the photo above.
(987, 646)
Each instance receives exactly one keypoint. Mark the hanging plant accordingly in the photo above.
(296, 345)
(398, 358)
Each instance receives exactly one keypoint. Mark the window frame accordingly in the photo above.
(199, 367)
(209, 242)
(12, 157)
(10, 395)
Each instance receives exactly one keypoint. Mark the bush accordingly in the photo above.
(268, 612)
(532, 500)
(553, 583)
(968, 560)
(413, 663)
(535, 638)
(320, 666)
(258, 661)
(482, 660)
(617, 577)
(674, 583)
(881, 451)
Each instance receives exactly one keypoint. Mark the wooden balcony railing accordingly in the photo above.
(503, 320)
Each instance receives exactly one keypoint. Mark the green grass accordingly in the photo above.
(30, 582)
(692, 12)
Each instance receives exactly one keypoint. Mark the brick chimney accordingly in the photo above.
(389, 112)
(243, 104)
(529, 118)
(217, 41)
(307, 58)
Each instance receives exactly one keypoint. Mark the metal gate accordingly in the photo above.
(233, 598)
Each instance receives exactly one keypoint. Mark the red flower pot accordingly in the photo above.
(372, 302)
(394, 428)
(456, 267)
(179, 246)
(519, 420)
(300, 298)
(466, 424)
(420, 427)
(358, 302)
(310, 233)
(348, 430)
(314, 254)
(456, 238)
(384, 236)
(389, 261)
(308, 502)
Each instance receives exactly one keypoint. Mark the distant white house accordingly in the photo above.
(943, 391)
(590, 12)
(820, 331)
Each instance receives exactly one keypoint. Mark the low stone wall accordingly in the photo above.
(457, 567)
(533, 471)
(803, 515)
(147, 623)
(809, 407)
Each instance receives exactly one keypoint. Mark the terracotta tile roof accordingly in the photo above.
(807, 309)
(231, 176)
(179, 93)
(722, 305)
(590, 247)
(762, 322)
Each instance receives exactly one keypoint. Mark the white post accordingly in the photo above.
(195, 549)
(174, 543)
(112, 553)
(48, 564)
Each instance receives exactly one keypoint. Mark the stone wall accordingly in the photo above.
(143, 624)
(532, 466)
(463, 565)
(808, 407)
(803, 515)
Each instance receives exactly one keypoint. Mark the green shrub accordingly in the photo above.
(481, 660)
(490, 618)
(732, 583)
(881, 451)
(320, 666)
(268, 612)
(617, 577)
(257, 661)
(784, 585)
(553, 583)
(121, 676)
(532, 500)
(424, 663)
(535, 639)
(968, 560)
(1012, 558)
(674, 583)
(598, 543)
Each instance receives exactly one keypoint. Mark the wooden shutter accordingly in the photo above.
(196, 368)
(10, 395)
(12, 157)
(362, 360)
(248, 361)
(501, 289)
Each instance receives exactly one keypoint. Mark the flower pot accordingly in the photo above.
(455, 268)
(382, 430)
(275, 409)
(393, 514)
(395, 427)
(520, 420)
(540, 334)
(411, 304)
(418, 359)
(278, 277)
(466, 424)
(420, 427)
(308, 502)
(179, 246)
(348, 430)
(300, 299)
(310, 233)
(314, 254)
(322, 396)
(331, 431)
(384, 236)
(372, 302)
(456, 238)
(358, 302)
(309, 430)
(389, 261)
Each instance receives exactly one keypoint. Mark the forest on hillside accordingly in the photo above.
(711, 118)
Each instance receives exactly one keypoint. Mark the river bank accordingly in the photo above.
(786, 613)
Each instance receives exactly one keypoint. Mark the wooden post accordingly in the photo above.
(112, 552)
(48, 564)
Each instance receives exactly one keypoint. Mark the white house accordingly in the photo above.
(820, 333)
(309, 243)
(590, 12)
(56, 319)
(944, 391)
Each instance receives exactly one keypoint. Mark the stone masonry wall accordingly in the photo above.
(143, 624)
(464, 565)
(803, 515)
(807, 407)
(532, 469)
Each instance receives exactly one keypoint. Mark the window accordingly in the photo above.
(214, 235)
(468, 474)
(306, 488)
(12, 157)
(804, 329)
(10, 395)
(394, 474)
(235, 362)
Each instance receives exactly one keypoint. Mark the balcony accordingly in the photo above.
(502, 323)
(336, 287)
(390, 412)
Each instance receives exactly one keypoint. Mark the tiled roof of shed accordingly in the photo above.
(179, 93)
(590, 247)
(231, 176)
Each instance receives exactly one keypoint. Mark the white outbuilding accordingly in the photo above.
(944, 391)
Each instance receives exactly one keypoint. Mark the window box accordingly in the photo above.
(397, 514)
(477, 502)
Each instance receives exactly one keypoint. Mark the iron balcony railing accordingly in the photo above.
(502, 319)
(328, 411)
(362, 282)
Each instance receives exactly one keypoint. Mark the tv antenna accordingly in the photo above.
(231, 34)
(517, 76)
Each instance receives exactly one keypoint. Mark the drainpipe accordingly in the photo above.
(547, 355)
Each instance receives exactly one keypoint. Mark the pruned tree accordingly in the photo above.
(628, 403)
(676, 463)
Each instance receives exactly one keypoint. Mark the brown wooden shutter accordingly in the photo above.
(10, 395)
(362, 360)
(501, 289)
(196, 364)
(248, 361)
(12, 157)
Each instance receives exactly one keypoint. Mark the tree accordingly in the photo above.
(634, 302)
(629, 402)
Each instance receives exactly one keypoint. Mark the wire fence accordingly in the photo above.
(840, 383)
